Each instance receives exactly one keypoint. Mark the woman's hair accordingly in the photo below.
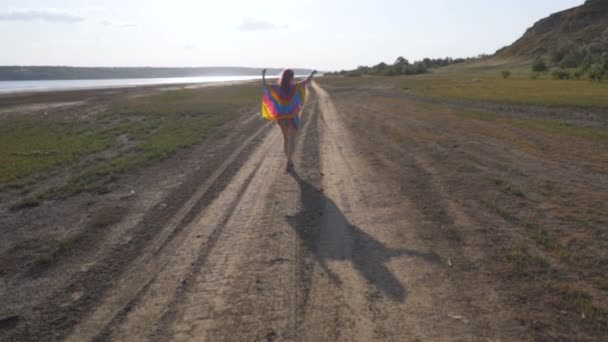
(285, 80)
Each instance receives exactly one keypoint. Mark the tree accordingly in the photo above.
(538, 65)
(558, 54)
(400, 61)
(427, 62)
(420, 68)
(573, 58)
(379, 68)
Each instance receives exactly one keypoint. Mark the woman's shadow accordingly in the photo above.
(328, 234)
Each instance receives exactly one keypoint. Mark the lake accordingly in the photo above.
(51, 85)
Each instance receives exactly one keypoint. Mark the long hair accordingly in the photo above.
(285, 80)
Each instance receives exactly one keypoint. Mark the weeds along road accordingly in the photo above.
(331, 251)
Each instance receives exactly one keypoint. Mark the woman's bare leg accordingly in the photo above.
(291, 143)
(285, 132)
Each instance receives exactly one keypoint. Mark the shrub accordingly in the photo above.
(560, 74)
(597, 72)
(558, 55)
(534, 75)
(538, 65)
(506, 74)
(573, 58)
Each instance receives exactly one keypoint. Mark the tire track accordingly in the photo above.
(245, 289)
(154, 257)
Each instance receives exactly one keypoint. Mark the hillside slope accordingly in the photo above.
(579, 26)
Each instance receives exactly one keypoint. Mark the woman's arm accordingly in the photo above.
(309, 78)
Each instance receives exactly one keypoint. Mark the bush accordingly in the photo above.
(573, 58)
(597, 72)
(539, 65)
(534, 75)
(560, 74)
(558, 55)
(506, 74)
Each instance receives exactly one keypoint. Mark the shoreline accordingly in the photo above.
(13, 100)
(112, 86)
(97, 84)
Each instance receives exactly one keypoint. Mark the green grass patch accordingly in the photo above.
(561, 128)
(44, 260)
(520, 88)
(528, 264)
(601, 283)
(502, 212)
(478, 115)
(223, 100)
(453, 234)
(56, 249)
(26, 202)
(549, 126)
(154, 126)
(586, 224)
(542, 237)
(568, 298)
(35, 145)
(506, 187)
(47, 252)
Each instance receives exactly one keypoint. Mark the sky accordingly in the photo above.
(321, 34)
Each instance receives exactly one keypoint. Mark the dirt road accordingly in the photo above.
(327, 252)
(389, 229)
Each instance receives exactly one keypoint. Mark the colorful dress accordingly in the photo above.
(284, 108)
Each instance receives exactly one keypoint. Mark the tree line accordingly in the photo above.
(402, 66)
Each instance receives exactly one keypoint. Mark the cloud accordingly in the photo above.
(51, 15)
(251, 24)
(109, 23)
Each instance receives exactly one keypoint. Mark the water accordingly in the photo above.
(27, 86)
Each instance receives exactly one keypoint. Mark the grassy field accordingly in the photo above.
(129, 133)
(540, 177)
(484, 82)
(557, 128)
(519, 88)
(32, 145)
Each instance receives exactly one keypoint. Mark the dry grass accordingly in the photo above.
(540, 185)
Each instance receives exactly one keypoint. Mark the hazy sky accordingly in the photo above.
(320, 34)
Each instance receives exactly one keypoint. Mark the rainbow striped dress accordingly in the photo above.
(279, 106)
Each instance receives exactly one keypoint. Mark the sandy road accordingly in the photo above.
(329, 252)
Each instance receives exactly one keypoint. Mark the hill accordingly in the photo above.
(582, 26)
(22, 73)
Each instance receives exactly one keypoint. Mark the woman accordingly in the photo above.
(282, 102)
